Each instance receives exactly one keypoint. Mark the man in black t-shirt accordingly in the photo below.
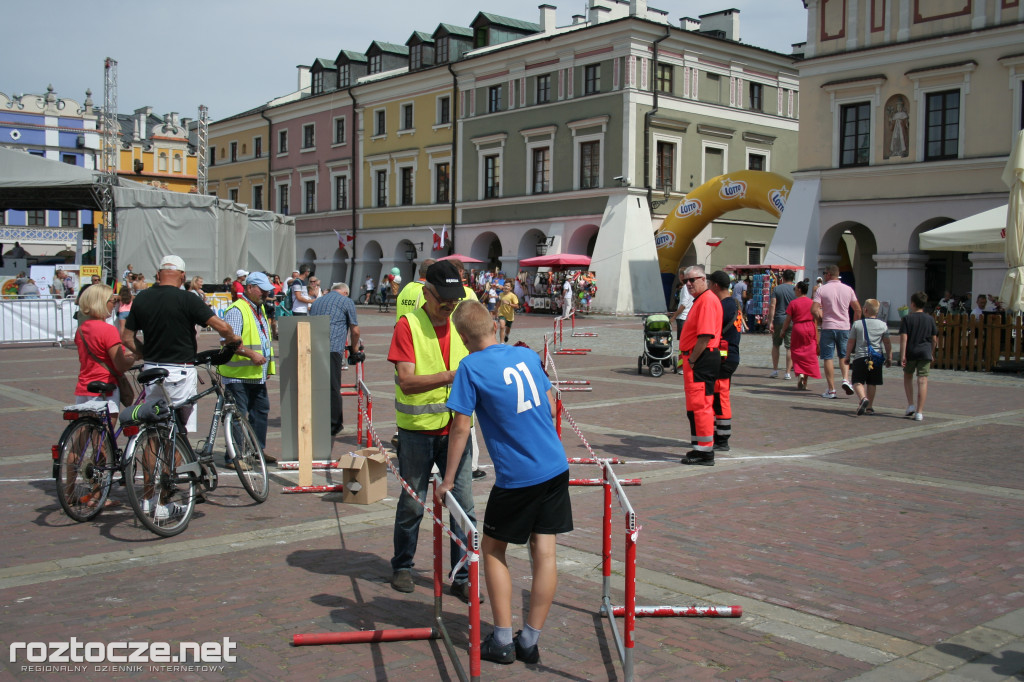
(729, 348)
(918, 337)
(167, 316)
(782, 295)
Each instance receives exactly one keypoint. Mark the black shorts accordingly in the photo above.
(513, 514)
(859, 373)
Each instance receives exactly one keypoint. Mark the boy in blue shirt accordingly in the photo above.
(507, 388)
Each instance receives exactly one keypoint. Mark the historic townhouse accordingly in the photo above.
(238, 161)
(56, 128)
(157, 150)
(513, 133)
(912, 109)
(555, 125)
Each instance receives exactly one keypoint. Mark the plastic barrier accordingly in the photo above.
(37, 320)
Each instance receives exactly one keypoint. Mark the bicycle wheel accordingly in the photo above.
(161, 480)
(247, 456)
(83, 476)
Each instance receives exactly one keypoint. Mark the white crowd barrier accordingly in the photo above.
(37, 320)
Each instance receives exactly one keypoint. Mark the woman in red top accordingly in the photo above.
(101, 356)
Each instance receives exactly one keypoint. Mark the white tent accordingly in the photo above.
(215, 237)
(982, 232)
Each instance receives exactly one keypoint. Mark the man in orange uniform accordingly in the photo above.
(700, 359)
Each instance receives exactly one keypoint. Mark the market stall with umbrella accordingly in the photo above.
(549, 286)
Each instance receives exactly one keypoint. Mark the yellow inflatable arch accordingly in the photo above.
(742, 189)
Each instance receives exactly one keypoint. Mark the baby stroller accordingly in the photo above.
(657, 345)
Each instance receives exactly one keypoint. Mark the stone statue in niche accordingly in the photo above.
(897, 127)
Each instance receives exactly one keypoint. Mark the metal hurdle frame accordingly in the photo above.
(573, 327)
(438, 630)
(624, 641)
(558, 336)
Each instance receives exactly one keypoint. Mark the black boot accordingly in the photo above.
(699, 458)
(722, 443)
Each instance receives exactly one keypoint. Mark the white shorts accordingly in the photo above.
(180, 384)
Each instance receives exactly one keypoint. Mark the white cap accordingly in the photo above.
(241, 273)
(172, 263)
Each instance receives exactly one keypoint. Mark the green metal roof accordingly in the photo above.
(423, 37)
(455, 30)
(509, 22)
(390, 47)
(352, 56)
(324, 63)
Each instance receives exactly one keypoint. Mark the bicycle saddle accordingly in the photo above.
(218, 356)
(101, 387)
(152, 374)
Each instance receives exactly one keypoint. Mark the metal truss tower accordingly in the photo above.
(106, 234)
(202, 149)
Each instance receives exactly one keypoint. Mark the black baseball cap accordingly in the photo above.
(446, 280)
(719, 277)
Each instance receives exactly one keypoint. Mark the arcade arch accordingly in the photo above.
(851, 246)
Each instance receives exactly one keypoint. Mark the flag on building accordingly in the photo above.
(436, 239)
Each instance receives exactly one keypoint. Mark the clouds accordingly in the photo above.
(233, 55)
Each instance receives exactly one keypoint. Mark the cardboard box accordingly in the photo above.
(367, 467)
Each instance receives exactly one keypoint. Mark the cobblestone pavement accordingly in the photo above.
(867, 548)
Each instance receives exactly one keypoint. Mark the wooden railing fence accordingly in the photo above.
(977, 344)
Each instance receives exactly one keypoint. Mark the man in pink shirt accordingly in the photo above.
(831, 303)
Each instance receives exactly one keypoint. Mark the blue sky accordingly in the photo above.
(232, 55)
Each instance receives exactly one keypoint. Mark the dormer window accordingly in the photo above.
(344, 76)
(376, 63)
(442, 50)
(416, 56)
(318, 82)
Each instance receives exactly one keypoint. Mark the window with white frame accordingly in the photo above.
(543, 90)
(69, 218)
(492, 176)
(344, 75)
(162, 162)
(340, 192)
(309, 136)
(283, 190)
(442, 182)
(318, 82)
(339, 130)
(257, 147)
(855, 134)
(714, 161)
(540, 170)
(494, 98)
(380, 122)
(757, 160)
(406, 177)
(588, 156)
(755, 252)
(381, 188)
(665, 165)
(942, 125)
(591, 79)
(233, 194)
(35, 218)
(309, 187)
(177, 163)
(756, 97)
(282, 142)
(444, 110)
(407, 117)
(257, 197)
(590, 164)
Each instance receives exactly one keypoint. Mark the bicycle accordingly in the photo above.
(86, 455)
(164, 471)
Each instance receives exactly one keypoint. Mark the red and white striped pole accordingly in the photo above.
(682, 611)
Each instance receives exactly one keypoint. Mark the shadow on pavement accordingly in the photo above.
(1011, 663)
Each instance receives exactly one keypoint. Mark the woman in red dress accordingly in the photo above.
(804, 339)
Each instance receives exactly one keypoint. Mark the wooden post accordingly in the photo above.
(304, 413)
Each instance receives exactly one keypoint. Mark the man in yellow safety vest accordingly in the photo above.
(426, 351)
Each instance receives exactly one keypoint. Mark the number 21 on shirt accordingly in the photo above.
(511, 374)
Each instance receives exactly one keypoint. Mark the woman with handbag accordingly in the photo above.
(101, 356)
(864, 353)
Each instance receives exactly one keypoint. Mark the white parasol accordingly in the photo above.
(1012, 293)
